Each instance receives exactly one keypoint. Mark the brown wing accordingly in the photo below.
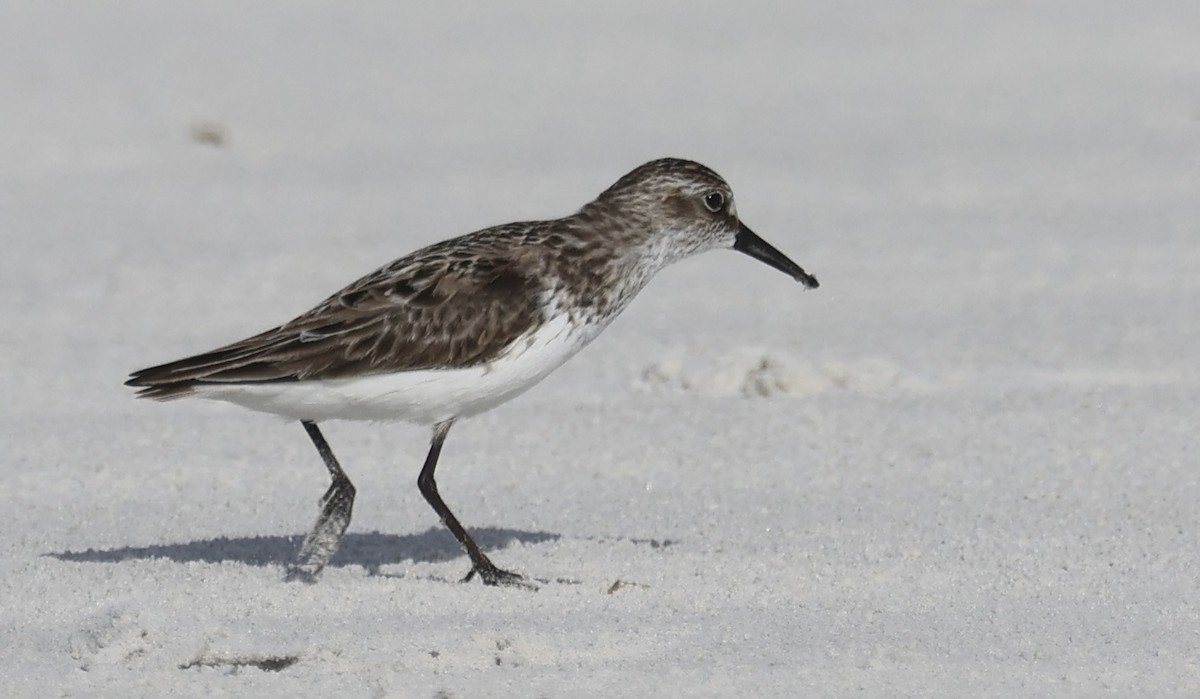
(445, 306)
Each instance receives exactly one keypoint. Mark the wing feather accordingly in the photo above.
(435, 308)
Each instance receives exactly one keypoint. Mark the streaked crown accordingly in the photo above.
(684, 207)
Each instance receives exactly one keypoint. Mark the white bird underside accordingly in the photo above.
(424, 397)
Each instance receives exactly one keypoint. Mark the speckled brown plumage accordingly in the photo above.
(461, 302)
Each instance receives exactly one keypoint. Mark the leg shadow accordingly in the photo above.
(371, 551)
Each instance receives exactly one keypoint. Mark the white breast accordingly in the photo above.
(427, 396)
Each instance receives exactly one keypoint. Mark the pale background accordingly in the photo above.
(966, 465)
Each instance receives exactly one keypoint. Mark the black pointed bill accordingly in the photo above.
(747, 241)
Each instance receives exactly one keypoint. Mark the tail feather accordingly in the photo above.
(230, 364)
(165, 392)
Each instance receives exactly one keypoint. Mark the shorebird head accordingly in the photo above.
(686, 208)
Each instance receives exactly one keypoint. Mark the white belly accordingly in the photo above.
(424, 397)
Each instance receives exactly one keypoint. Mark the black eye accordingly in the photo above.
(714, 201)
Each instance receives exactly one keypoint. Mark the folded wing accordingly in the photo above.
(430, 310)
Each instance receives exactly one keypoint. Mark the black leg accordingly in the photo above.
(488, 572)
(322, 542)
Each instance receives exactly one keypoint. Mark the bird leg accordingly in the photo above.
(336, 506)
(480, 564)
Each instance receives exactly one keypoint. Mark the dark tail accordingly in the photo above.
(178, 379)
(240, 362)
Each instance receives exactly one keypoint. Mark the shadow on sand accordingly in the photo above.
(371, 551)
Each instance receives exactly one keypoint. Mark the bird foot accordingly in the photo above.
(491, 575)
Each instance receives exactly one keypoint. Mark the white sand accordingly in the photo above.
(966, 465)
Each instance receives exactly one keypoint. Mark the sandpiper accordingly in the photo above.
(464, 325)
